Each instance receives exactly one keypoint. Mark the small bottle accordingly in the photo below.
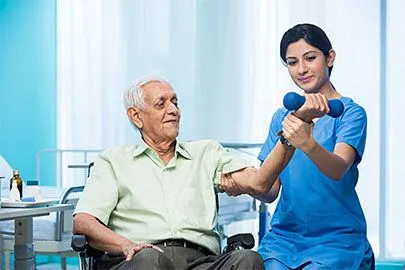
(14, 192)
(16, 176)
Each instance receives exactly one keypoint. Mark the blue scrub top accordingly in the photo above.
(317, 218)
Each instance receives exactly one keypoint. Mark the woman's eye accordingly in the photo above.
(291, 63)
(311, 58)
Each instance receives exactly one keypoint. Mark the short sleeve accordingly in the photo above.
(227, 162)
(100, 194)
(352, 129)
(272, 137)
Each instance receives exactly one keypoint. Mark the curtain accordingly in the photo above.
(204, 48)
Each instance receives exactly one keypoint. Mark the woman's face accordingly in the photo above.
(308, 66)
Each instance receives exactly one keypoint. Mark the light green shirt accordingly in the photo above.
(137, 196)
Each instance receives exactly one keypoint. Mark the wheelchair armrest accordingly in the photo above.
(239, 241)
(79, 243)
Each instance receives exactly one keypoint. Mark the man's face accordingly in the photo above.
(161, 116)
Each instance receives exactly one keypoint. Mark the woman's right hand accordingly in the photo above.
(315, 106)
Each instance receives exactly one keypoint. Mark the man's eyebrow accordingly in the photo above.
(158, 98)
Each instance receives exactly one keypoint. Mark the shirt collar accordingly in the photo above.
(141, 147)
(179, 149)
(182, 151)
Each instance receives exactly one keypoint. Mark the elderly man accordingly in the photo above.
(152, 205)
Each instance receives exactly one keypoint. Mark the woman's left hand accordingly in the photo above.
(298, 132)
(315, 106)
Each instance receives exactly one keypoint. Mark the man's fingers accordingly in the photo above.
(157, 248)
(132, 250)
(129, 254)
(139, 247)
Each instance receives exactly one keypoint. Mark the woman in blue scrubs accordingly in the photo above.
(318, 222)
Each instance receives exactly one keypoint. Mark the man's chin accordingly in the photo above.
(173, 134)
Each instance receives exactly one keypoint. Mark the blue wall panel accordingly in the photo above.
(28, 84)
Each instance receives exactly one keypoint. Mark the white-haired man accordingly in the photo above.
(152, 205)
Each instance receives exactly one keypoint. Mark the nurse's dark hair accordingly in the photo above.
(312, 34)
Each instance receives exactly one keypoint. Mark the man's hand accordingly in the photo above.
(129, 249)
(315, 106)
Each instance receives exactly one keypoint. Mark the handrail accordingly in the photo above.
(241, 145)
(60, 217)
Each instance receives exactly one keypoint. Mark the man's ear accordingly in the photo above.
(331, 58)
(133, 114)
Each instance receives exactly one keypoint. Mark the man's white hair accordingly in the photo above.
(134, 95)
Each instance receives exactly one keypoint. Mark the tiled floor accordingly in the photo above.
(54, 266)
(49, 266)
(390, 266)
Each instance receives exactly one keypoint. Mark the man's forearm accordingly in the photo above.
(99, 236)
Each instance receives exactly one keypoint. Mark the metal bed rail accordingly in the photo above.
(60, 159)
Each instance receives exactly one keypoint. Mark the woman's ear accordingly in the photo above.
(133, 114)
(331, 58)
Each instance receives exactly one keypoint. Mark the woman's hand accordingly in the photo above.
(298, 132)
(315, 106)
(229, 185)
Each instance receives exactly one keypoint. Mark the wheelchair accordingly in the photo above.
(88, 255)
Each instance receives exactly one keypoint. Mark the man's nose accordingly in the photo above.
(173, 108)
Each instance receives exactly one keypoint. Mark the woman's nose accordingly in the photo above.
(302, 68)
